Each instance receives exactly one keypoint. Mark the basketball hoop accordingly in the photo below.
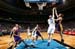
(41, 5)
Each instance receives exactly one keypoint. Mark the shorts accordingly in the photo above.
(17, 38)
(57, 27)
(51, 30)
(38, 33)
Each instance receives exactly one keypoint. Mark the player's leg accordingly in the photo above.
(32, 44)
(49, 38)
(26, 45)
(49, 30)
(36, 37)
(59, 28)
(41, 37)
(50, 34)
(12, 43)
(61, 33)
(33, 39)
(39, 34)
(19, 40)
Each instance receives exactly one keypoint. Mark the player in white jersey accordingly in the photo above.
(51, 28)
(28, 33)
(37, 33)
(34, 34)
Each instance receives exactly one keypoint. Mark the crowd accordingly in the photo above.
(5, 28)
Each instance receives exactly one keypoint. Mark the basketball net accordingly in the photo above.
(40, 6)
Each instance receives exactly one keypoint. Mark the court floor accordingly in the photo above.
(68, 39)
(39, 44)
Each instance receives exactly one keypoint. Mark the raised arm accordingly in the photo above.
(56, 12)
(53, 13)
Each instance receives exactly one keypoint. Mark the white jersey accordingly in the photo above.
(51, 27)
(34, 32)
(51, 22)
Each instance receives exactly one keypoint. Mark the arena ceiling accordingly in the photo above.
(16, 8)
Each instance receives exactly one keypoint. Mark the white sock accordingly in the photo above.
(49, 40)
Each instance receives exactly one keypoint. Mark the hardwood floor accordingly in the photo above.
(68, 39)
